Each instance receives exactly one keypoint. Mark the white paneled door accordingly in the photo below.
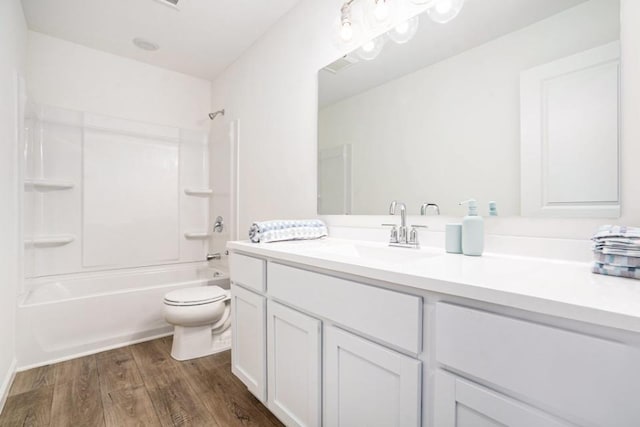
(570, 125)
(248, 358)
(367, 384)
(460, 403)
(293, 354)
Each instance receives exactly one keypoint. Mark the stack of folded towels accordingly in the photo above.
(276, 231)
(617, 251)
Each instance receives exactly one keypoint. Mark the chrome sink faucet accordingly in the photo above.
(400, 236)
(424, 209)
(402, 231)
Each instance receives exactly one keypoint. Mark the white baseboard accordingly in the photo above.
(93, 351)
(6, 384)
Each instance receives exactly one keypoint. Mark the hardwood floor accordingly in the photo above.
(139, 385)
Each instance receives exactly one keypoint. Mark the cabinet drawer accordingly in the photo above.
(247, 271)
(588, 380)
(386, 315)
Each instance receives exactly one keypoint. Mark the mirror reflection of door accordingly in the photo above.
(570, 116)
(334, 180)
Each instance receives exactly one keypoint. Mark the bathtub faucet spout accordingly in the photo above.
(214, 256)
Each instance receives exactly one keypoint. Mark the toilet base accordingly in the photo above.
(194, 342)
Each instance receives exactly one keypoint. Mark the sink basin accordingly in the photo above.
(372, 252)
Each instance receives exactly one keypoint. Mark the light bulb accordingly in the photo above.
(404, 31)
(369, 46)
(346, 31)
(443, 6)
(402, 28)
(371, 49)
(444, 11)
(382, 10)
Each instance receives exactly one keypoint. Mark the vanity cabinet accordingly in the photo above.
(367, 384)
(321, 350)
(249, 355)
(294, 365)
(291, 349)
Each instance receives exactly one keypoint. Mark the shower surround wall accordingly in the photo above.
(105, 194)
(116, 185)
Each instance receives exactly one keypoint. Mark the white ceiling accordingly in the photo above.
(479, 22)
(200, 39)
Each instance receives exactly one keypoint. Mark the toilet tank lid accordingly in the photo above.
(193, 296)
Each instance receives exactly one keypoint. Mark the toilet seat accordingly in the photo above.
(195, 296)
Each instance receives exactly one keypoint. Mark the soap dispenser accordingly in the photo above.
(472, 230)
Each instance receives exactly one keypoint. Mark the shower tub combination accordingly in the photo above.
(69, 316)
(115, 215)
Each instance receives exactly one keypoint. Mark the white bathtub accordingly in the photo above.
(69, 316)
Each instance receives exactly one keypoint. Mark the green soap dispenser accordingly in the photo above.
(472, 230)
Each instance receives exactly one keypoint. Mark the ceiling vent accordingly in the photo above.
(171, 3)
(341, 64)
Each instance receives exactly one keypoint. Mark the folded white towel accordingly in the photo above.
(280, 230)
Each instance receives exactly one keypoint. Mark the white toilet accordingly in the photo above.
(202, 318)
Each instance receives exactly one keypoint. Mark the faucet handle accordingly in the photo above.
(393, 237)
(413, 235)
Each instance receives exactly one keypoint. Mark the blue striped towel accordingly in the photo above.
(616, 251)
(614, 270)
(281, 230)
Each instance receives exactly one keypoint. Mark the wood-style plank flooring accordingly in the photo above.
(139, 385)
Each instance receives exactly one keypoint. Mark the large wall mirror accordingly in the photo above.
(514, 101)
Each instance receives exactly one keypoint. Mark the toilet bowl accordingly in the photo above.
(201, 318)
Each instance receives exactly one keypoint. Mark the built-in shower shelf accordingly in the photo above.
(197, 235)
(47, 241)
(47, 185)
(200, 192)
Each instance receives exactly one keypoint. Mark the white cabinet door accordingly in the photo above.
(459, 403)
(367, 384)
(248, 342)
(293, 343)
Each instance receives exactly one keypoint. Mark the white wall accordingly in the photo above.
(68, 75)
(13, 35)
(272, 89)
(451, 131)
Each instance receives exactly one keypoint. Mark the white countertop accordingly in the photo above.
(557, 288)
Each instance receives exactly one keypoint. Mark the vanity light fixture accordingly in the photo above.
(378, 14)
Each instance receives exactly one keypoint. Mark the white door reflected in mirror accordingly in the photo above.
(570, 135)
